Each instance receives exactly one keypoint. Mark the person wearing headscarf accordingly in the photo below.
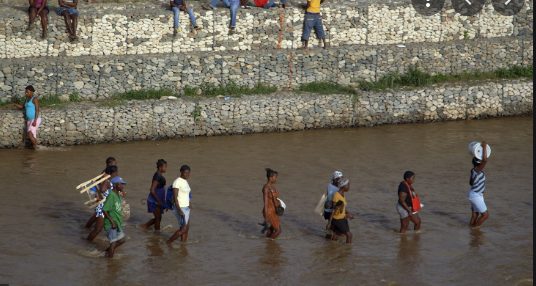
(331, 190)
(339, 217)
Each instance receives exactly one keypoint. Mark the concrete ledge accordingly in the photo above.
(158, 119)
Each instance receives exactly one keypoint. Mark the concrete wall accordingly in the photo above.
(156, 119)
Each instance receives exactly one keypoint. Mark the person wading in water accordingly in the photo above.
(270, 195)
(477, 180)
(404, 205)
(157, 196)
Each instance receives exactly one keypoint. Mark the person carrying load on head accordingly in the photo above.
(477, 181)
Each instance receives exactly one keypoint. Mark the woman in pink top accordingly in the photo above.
(38, 7)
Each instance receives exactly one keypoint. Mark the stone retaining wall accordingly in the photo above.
(130, 47)
(101, 77)
(136, 29)
(157, 119)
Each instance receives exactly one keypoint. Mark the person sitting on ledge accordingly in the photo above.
(38, 8)
(313, 19)
(70, 14)
(233, 5)
(182, 5)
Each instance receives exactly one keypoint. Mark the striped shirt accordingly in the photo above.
(478, 179)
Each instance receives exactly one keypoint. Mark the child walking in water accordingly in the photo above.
(110, 161)
(103, 193)
(113, 213)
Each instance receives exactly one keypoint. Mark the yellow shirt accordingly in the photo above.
(341, 213)
(313, 6)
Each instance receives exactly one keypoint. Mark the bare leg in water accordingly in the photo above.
(113, 246)
(98, 228)
(176, 235)
(480, 219)
(154, 221)
(91, 220)
(184, 236)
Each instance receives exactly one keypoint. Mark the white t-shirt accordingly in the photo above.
(183, 196)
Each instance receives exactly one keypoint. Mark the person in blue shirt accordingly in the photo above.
(31, 112)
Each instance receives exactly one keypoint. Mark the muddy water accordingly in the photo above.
(42, 215)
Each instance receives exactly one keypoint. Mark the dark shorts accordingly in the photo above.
(340, 225)
(327, 215)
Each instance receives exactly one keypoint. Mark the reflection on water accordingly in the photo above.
(29, 162)
(408, 248)
(272, 255)
(42, 216)
(477, 238)
(153, 244)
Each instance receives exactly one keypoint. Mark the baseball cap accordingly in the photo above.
(118, 180)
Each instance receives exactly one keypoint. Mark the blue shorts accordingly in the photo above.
(71, 11)
(182, 220)
(115, 234)
(477, 202)
(310, 22)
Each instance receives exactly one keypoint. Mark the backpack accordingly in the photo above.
(170, 200)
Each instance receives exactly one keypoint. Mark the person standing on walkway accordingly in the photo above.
(313, 20)
(233, 6)
(181, 206)
(270, 200)
(182, 5)
(31, 112)
(157, 196)
(477, 181)
(112, 210)
(405, 206)
(339, 218)
(38, 8)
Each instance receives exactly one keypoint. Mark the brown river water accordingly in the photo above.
(42, 216)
